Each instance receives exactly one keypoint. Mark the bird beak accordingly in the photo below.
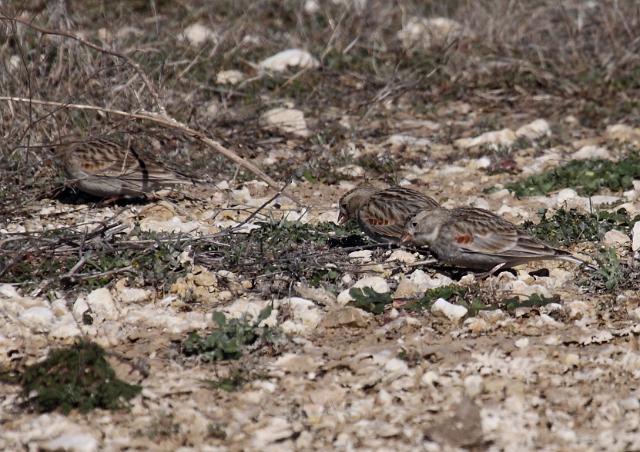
(342, 219)
(406, 237)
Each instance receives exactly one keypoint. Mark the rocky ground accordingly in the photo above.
(546, 357)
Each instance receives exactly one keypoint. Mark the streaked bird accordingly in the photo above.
(383, 213)
(477, 239)
(106, 169)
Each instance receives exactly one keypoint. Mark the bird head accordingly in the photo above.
(423, 228)
(353, 200)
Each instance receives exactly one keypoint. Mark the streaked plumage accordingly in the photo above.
(383, 213)
(107, 169)
(477, 239)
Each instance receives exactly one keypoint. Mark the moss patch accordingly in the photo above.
(75, 377)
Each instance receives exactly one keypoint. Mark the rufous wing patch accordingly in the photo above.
(378, 221)
(464, 239)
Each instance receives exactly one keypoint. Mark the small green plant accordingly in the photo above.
(534, 301)
(475, 306)
(324, 275)
(278, 236)
(567, 227)
(610, 272)
(586, 176)
(471, 300)
(369, 300)
(75, 377)
(231, 338)
(451, 293)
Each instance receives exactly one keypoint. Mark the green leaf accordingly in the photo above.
(369, 300)
(219, 318)
(264, 314)
(450, 293)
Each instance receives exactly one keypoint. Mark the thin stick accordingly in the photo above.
(257, 211)
(170, 123)
(76, 267)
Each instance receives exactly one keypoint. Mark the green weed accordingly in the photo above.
(324, 276)
(231, 338)
(609, 272)
(451, 293)
(75, 377)
(474, 302)
(534, 301)
(586, 176)
(369, 300)
(567, 227)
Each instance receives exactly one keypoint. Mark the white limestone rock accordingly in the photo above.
(635, 244)
(198, 34)
(504, 137)
(425, 282)
(534, 130)
(616, 238)
(102, 304)
(305, 315)
(377, 283)
(591, 152)
(286, 120)
(289, 59)
(37, 319)
(420, 33)
(623, 133)
(229, 77)
(451, 311)
(8, 291)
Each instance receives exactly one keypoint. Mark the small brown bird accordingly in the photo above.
(383, 213)
(477, 239)
(107, 169)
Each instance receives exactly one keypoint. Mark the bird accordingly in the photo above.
(383, 213)
(477, 239)
(106, 169)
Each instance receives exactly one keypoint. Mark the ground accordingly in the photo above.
(243, 317)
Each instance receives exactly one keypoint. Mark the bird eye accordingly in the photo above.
(414, 224)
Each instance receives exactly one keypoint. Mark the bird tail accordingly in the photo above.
(576, 260)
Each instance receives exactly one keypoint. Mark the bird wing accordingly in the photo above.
(378, 220)
(481, 231)
(388, 211)
(105, 159)
(407, 200)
